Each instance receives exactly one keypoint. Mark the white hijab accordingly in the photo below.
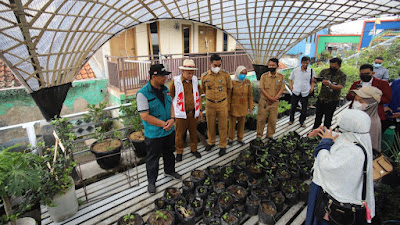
(237, 73)
(339, 171)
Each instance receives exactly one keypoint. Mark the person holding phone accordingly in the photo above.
(333, 81)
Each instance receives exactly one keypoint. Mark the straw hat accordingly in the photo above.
(369, 92)
(188, 64)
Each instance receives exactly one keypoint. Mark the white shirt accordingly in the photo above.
(301, 81)
(367, 84)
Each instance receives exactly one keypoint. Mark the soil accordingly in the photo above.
(187, 183)
(185, 213)
(198, 174)
(277, 195)
(261, 193)
(229, 219)
(222, 200)
(153, 221)
(220, 185)
(284, 173)
(238, 192)
(213, 171)
(268, 209)
(160, 203)
(242, 177)
(173, 192)
(253, 181)
(107, 145)
(137, 136)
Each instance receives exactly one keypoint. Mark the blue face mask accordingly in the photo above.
(242, 76)
(377, 65)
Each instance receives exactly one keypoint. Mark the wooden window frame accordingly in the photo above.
(190, 38)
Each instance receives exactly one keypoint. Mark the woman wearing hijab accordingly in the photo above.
(367, 99)
(241, 104)
(339, 163)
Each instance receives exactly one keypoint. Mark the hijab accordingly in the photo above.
(239, 69)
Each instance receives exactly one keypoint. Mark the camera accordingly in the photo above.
(319, 79)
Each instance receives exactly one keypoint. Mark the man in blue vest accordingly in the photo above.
(154, 105)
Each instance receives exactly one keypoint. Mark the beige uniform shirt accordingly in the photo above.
(241, 98)
(216, 86)
(271, 84)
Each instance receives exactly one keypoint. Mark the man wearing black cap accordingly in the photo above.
(154, 105)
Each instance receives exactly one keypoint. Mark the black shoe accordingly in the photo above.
(151, 188)
(174, 175)
(241, 142)
(197, 154)
(209, 147)
(222, 151)
(178, 157)
(230, 142)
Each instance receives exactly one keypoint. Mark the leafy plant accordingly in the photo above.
(161, 216)
(128, 217)
(131, 117)
(96, 114)
(64, 130)
(19, 173)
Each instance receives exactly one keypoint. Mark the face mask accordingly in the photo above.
(242, 76)
(377, 65)
(333, 69)
(359, 106)
(365, 77)
(215, 69)
(272, 69)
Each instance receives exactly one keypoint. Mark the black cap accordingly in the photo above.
(158, 69)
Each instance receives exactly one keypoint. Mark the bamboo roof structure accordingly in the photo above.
(46, 42)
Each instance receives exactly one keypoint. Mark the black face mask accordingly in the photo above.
(272, 69)
(333, 70)
(365, 77)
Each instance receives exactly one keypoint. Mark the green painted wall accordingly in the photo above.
(322, 40)
(93, 91)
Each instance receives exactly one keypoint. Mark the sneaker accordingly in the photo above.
(197, 154)
(222, 151)
(209, 147)
(290, 123)
(178, 157)
(230, 142)
(241, 142)
(151, 188)
(174, 175)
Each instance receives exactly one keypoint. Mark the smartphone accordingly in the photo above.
(319, 79)
(388, 113)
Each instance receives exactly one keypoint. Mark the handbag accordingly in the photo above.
(381, 167)
(338, 213)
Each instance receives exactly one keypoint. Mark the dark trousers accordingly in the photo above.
(304, 104)
(387, 123)
(157, 147)
(327, 109)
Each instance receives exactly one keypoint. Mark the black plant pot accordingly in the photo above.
(138, 220)
(290, 195)
(213, 172)
(279, 199)
(208, 215)
(191, 220)
(252, 204)
(234, 219)
(199, 178)
(140, 148)
(107, 159)
(239, 193)
(187, 187)
(201, 192)
(159, 203)
(197, 205)
(267, 217)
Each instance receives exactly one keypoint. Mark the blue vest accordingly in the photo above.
(158, 110)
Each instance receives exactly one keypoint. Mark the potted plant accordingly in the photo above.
(187, 187)
(266, 212)
(197, 177)
(107, 149)
(57, 189)
(131, 119)
(252, 204)
(19, 173)
(251, 119)
(229, 219)
(197, 205)
(186, 215)
(239, 193)
(161, 217)
(98, 116)
(159, 203)
(171, 195)
(225, 201)
(130, 219)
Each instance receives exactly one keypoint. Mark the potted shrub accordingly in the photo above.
(130, 219)
(132, 120)
(98, 116)
(57, 186)
(225, 201)
(19, 173)
(107, 149)
(160, 217)
(227, 175)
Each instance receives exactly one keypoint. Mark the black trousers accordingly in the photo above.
(304, 104)
(387, 123)
(327, 109)
(157, 147)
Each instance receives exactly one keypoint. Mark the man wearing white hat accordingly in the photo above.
(185, 92)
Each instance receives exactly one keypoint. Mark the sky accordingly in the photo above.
(355, 27)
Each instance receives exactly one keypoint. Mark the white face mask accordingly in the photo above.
(215, 69)
(359, 106)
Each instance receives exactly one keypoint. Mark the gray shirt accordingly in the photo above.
(381, 73)
(301, 81)
(142, 103)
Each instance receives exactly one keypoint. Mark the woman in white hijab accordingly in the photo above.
(338, 167)
(241, 103)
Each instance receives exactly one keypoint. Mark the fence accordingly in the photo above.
(129, 73)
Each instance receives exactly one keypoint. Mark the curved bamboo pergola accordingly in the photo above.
(46, 42)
